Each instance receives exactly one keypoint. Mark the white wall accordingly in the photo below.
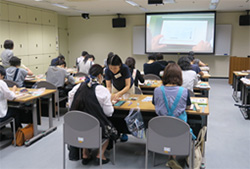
(97, 36)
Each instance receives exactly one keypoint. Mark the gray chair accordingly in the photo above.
(80, 74)
(191, 93)
(10, 120)
(82, 130)
(49, 85)
(151, 77)
(10, 83)
(169, 136)
(137, 90)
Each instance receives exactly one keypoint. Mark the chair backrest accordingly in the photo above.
(80, 74)
(137, 90)
(46, 84)
(191, 93)
(151, 77)
(10, 83)
(81, 129)
(169, 135)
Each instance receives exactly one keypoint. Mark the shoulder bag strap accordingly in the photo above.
(14, 79)
(176, 101)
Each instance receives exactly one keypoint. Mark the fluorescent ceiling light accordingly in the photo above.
(168, 1)
(212, 6)
(60, 6)
(131, 3)
(214, 1)
(38, 0)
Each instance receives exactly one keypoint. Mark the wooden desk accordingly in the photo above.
(237, 75)
(32, 96)
(149, 107)
(71, 70)
(205, 76)
(245, 108)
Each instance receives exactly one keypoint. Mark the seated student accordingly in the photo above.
(159, 58)
(15, 73)
(85, 65)
(7, 53)
(56, 60)
(95, 99)
(165, 96)
(152, 67)
(57, 75)
(81, 58)
(7, 94)
(189, 76)
(136, 74)
(196, 61)
(62, 64)
(195, 67)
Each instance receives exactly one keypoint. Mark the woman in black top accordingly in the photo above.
(136, 74)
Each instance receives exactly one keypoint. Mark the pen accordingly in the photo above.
(129, 103)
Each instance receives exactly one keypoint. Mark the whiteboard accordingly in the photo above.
(139, 40)
(222, 40)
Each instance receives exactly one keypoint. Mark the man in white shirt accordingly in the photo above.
(7, 94)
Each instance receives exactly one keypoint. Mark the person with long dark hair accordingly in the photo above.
(93, 98)
(87, 62)
(136, 74)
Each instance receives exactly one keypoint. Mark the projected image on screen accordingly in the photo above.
(180, 32)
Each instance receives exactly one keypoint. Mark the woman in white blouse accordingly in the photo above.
(7, 94)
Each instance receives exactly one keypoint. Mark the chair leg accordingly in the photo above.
(113, 152)
(64, 160)
(100, 148)
(146, 157)
(154, 159)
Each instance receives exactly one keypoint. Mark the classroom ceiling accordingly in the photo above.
(111, 7)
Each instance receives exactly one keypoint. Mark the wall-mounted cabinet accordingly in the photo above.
(4, 34)
(48, 18)
(35, 41)
(18, 33)
(48, 57)
(4, 12)
(37, 69)
(34, 16)
(49, 39)
(17, 13)
(25, 60)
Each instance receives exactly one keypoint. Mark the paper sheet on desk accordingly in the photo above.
(147, 99)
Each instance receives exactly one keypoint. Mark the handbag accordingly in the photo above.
(24, 134)
(135, 123)
(198, 150)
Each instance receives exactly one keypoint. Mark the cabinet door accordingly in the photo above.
(48, 57)
(17, 13)
(34, 16)
(4, 33)
(49, 39)
(19, 35)
(25, 60)
(48, 18)
(34, 39)
(36, 59)
(63, 43)
(37, 69)
(4, 12)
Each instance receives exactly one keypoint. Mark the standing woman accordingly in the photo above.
(118, 77)
(136, 74)
(7, 54)
(171, 100)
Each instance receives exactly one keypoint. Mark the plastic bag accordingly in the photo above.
(135, 123)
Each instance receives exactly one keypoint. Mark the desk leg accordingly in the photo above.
(34, 114)
(50, 113)
(235, 90)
